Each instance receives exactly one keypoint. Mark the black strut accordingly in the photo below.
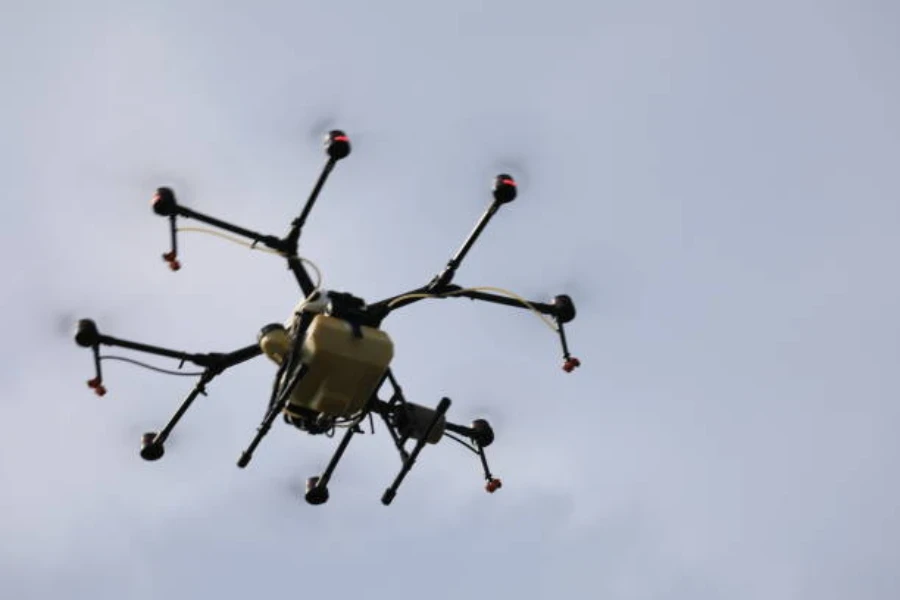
(391, 492)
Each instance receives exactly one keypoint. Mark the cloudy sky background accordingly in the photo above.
(714, 183)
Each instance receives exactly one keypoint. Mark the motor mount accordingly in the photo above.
(337, 144)
(164, 203)
(504, 188)
(86, 333)
(482, 433)
(412, 421)
(565, 308)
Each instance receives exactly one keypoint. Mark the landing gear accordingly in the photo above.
(317, 486)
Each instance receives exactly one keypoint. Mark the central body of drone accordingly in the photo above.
(333, 356)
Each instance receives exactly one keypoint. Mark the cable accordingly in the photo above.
(484, 288)
(318, 286)
(352, 421)
(319, 278)
(460, 441)
(151, 367)
(230, 238)
(254, 246)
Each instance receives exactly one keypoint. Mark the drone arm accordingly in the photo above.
(213, 360)
(222, 362)
(88, 336)
(481, 436)
(300, 273)
(290, 241)
(197, 359)
(446, 276)
(381, 309)
(297, 225)
(562, 309)
(268, 240)
(504, 192)
(165, 205)
(337, 147)
(553, 310)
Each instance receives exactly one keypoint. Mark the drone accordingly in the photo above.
(332, 355)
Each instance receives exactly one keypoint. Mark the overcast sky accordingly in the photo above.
(714, 183)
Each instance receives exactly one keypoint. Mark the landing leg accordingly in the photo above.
(317, 487)
(391, 492)
(273, 412)
(152, 443)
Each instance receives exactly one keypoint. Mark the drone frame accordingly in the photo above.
(404, 420)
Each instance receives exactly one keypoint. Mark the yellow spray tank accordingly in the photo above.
(343, 368)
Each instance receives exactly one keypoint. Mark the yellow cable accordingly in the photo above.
(241, 242)
(483, 288)
(230, 238)
(318, 271)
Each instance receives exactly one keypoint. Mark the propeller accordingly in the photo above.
(294, 127)
(516, 164)
(491, 411)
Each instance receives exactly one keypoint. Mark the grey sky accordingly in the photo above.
(715, 184)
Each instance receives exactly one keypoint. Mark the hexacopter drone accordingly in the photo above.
(333, 357)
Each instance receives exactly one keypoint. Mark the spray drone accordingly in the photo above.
(332, 355)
